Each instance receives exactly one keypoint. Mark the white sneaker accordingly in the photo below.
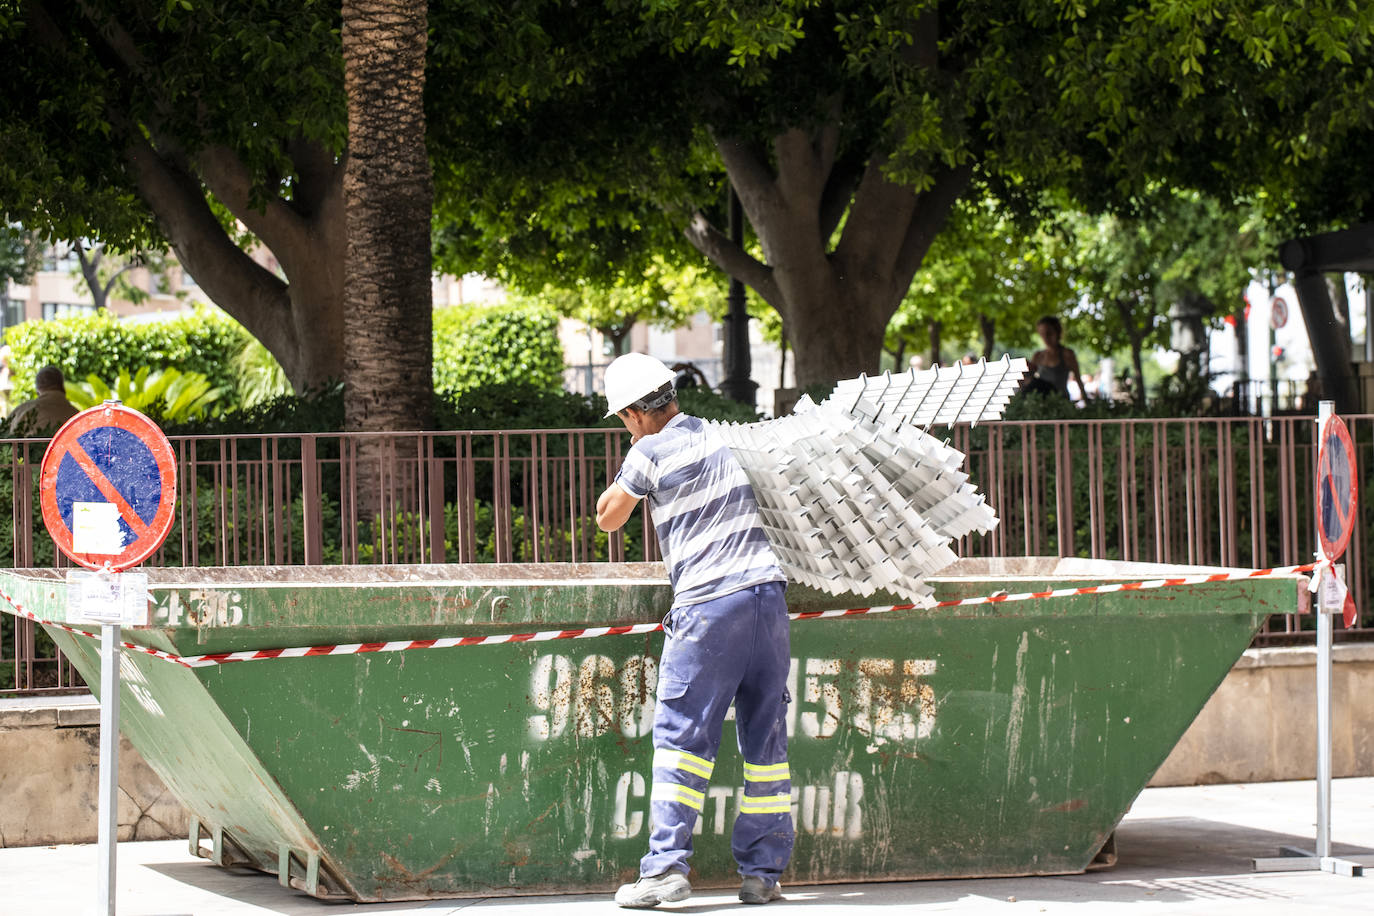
(650, 891)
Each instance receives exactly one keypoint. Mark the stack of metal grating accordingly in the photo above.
(855, 494)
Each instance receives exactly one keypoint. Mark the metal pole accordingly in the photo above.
(109, 767)
(591, 360)
(1273, 368)
(737, 362)
(1324, 627)
(1292, 858)
(1368, 318)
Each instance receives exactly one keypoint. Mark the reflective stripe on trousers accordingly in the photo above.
(734, 648)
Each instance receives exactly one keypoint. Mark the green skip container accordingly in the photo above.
(987, 740)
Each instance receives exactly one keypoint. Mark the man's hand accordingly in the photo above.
(613, 508)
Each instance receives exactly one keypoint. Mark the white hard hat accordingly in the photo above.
(632, 377)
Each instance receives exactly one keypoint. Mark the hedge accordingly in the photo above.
(477, 345)
(205, 341)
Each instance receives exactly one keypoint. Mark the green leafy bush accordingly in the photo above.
(496, 344)
(317, 410)
(204, 341)
(517, 405)
(261, 377)
(166, 395)
(710, 405)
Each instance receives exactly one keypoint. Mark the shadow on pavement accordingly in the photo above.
(1175, 860)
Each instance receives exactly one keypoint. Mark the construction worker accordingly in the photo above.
(727, 637)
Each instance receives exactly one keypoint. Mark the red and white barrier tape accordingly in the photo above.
(19, 610)
(1138, 586)
(219, 658)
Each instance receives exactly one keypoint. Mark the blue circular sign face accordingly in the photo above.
(108, 487)
(129, 470)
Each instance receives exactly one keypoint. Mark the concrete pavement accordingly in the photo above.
(1182, 850)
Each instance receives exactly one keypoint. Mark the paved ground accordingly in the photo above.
(1184, 850)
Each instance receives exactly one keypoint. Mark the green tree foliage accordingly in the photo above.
(1111, 276)
(222, 126)
(1230, 98)
(989, 272)
(19, 254)
(483, 345)
(1183, 247)
(212, 126)
(661, 294)
(875, 117)
(204, 341)
(573, 140)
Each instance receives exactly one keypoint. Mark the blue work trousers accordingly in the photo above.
(734, 648)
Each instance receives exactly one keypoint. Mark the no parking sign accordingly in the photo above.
(108, 488)
(1337, 492)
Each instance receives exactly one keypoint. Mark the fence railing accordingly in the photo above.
(1226, 492)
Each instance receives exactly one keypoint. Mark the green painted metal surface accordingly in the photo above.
(996, 740)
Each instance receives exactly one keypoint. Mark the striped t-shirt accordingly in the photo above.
(704, 511)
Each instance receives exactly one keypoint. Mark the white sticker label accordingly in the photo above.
(107, 597)
(95, 529)
(1333, 592)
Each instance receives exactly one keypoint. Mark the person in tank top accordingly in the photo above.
(1052, 367)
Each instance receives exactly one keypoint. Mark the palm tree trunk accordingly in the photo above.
(388, 200)
(388, 195)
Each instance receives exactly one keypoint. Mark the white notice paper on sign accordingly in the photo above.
(108, 598)
(95, 529)
(1333, 592)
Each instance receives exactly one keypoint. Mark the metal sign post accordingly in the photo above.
(108, 806)
(1337, 491)
(107, 817)
(108, 488)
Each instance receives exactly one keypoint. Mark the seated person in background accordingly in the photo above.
(687, 375)
(44, 414)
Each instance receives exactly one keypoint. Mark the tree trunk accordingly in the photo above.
(899, 357)
(1347, 250)
(989, 327)
(1340, 298)
(90, 270)
(832, 341)
(299, 320)
(836, 303)
(388, 195)
(1139, 365)
(1330, 339)
(1126, 308)
(1242, 327)
(782, 358)
(617, 335)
